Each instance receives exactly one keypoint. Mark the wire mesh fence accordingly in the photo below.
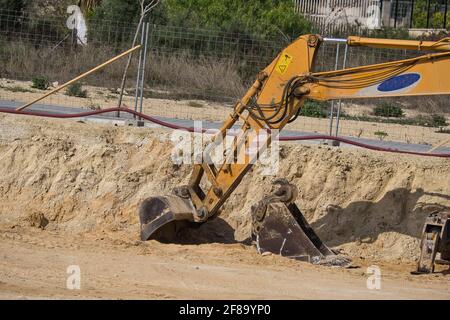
(423, 120)
(190, 74)
(196, 63)
(39, 54)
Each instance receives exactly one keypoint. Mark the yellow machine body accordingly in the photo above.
(275, 99)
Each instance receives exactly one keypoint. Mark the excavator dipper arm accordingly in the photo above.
(274, 100)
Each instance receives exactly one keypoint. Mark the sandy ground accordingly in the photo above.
(205, 110)
(33, 265)
(69, 194)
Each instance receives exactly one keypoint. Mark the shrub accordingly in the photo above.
(388, 110)
(438, 120)
(13, 5)
(314, 109)
(388, 33)
(195, 104)
(381, 134)
(41, 83)
(15, 89)
(93, 106)
(76, 90)
(433, 120)
(442, 130)
(251, 17)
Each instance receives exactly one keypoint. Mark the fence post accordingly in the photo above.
(445, 15)
(338, 115)
(396, 14)
(144, 64)
(332, 102)
(411, 18)
(136, 94)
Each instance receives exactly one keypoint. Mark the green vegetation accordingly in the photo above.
(89, 5)
(14, 5)
(195, 104)
(385, 113)
(93, 106)
(219, 28)
(436, 17)
(121, 11)
(381, 134)
(314, 109)
(432, 121)
(388, 110)
(76, 90)
(15, 89)
(41, 83)
(388, 33)
(438, 120)
(261, 17)
(447, 131)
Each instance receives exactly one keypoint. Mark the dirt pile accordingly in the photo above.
(76, 178)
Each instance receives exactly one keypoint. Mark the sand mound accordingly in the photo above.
(78, 178)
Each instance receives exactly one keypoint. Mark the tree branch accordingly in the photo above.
(145, 10)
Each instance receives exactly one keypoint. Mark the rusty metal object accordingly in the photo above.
(279, 227)
(435, 244)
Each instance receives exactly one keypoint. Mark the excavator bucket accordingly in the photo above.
(280, 228)
(278, 225)
(163, 217)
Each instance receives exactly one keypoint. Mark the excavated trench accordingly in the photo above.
(75, 178)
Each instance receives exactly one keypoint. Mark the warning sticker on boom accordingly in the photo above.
(283, 63)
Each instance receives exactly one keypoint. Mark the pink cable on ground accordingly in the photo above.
(191, 129)
(363, 145)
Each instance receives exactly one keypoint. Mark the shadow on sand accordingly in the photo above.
(399, 210)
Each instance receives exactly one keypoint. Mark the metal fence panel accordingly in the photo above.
(331, 17)
(189, 74)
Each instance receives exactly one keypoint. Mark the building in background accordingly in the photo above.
(340, 16)
(334, 16)
(397, 13)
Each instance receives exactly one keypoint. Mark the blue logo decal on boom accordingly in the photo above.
(399, 82)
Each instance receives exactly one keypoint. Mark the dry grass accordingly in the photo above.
(174, 75)
(437, 104)
(168, 75)
(195, 104)
(15, 89)
(424, 104)
(202, 77)
(23, 62)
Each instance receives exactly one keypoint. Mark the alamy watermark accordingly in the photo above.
(235, 147)
(73, 281)
(374, 280)
(76, 21)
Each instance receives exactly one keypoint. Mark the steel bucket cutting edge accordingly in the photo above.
(281, 228)
(163, 217)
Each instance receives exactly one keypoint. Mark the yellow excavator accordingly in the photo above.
(274, 100)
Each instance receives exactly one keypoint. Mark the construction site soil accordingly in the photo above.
(70, 191)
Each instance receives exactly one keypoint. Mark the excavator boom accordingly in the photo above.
(274, 100)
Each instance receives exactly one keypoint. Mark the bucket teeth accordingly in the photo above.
(278, 225)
